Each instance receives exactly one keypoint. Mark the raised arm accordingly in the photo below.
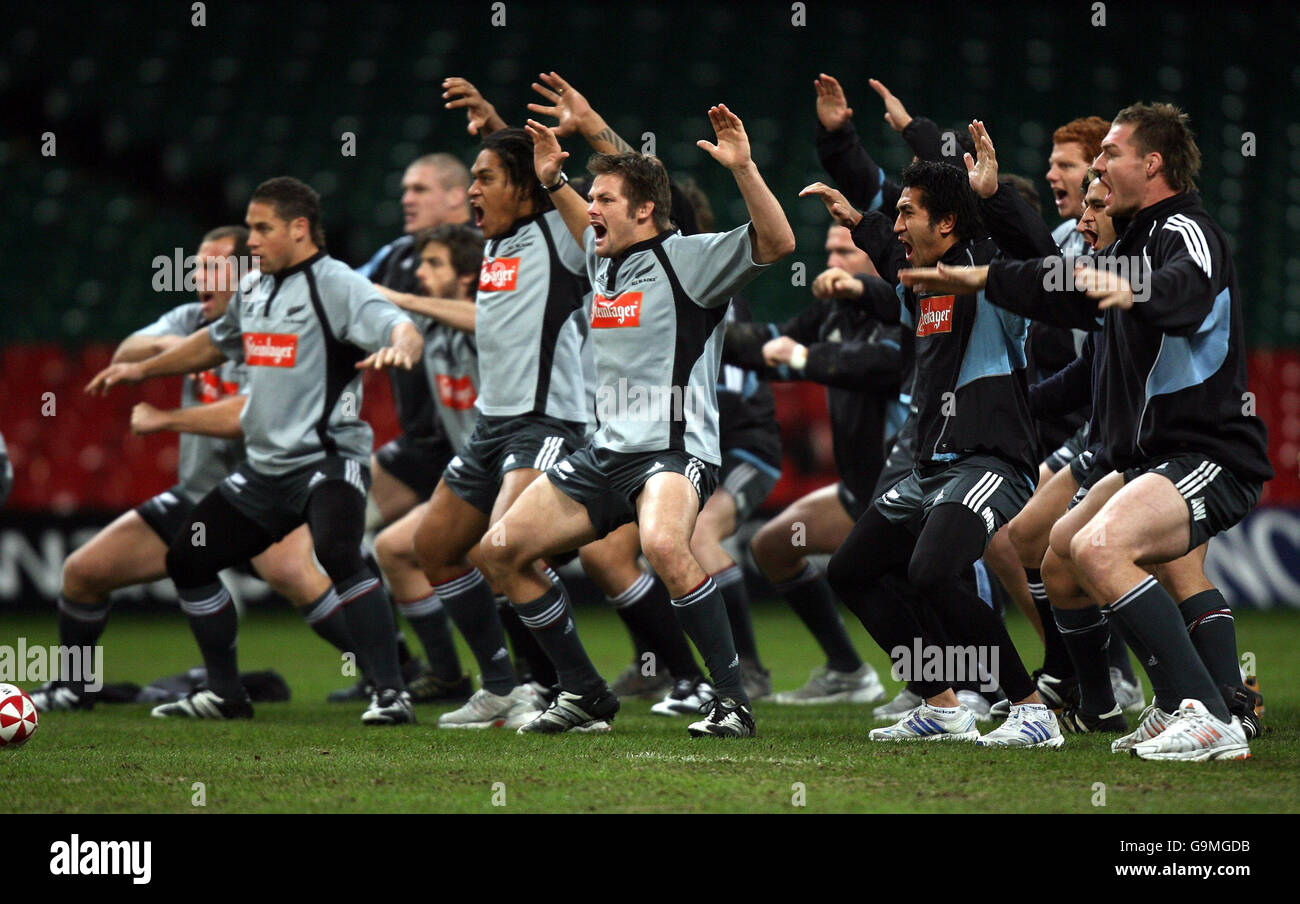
(773, 237)
(195, 352)
(1017, 230)
(459, 94)
(548, 161)
(575, 115)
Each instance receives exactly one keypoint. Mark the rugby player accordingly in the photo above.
(1188, 460)
(657, 324)
(304, 327)
(132, 550)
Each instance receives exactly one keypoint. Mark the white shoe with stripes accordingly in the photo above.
(1154, 720)
(1028, 725)
(204, 704)
(1196, 736)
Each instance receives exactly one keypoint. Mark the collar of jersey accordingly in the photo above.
(519, 224)
(297, 268)
(1184, 200)
(643, 245)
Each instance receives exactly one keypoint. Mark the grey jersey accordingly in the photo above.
(529, 328)
(301, 333)
(658, 318)
(204, 461)
(451, 361)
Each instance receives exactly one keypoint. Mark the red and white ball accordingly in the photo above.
(17, 716)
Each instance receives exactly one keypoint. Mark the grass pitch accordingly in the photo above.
(310, 756)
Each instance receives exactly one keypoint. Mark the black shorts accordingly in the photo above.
(278, 502)
(502, 444)
(852, 504)
(748, 479)
(417, 461)
(607, 483)
(168, 513)
(1216, 498)
(987, 485)
(1086, 471)
(1069, 451)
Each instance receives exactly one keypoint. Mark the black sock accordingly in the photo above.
(369, 616)
(468, 599)
(812, 599)
(645, 609)
(1056, 658)
(326, 618)
(551, 621)
(428, 617)
(1085, 634)
(1214, 634)
(81, 626)
(731, 581)
(703, 616)
(215, 624)
(536, 665)
(1162, 693)
(1151, 616)
(1117, 654)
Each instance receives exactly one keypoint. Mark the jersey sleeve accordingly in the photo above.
(713, 266)
(361, 315)
(179, 321)
(572, 255)
(227, 331)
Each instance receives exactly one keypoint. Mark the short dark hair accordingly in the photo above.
(293, 198)
(465, 244)
(238, 233)
(1025, 187)
(1088, 178)
(514, 149)
(699, 201)
(947, 191)
(644, 179)
(1164, 129)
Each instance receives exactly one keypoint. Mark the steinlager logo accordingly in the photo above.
(936, 315)
(620, 311)
(270, 349)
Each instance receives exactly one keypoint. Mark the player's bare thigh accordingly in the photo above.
(126, 552)
(816, 523)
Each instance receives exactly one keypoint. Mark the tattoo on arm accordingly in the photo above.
(609, 136)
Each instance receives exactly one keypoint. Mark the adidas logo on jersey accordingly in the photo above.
(657, 466)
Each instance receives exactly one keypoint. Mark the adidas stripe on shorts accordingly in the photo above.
(502, 444)
(1216, 498)
(985, 484)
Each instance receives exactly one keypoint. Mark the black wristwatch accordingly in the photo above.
(559, 183)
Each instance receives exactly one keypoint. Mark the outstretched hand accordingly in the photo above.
(110, 376)
(567, 104)
(833, 108)
(895, 113)
(943, 278)
(732, 148)
(840, 208)
(983, 174)
(1109, 289)
(460, 93)
(388, 356)
(548, 158)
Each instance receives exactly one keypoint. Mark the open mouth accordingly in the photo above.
(599, 229)
(1091, 238)
(907, 247)
(1060, 194)
(478, 214)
